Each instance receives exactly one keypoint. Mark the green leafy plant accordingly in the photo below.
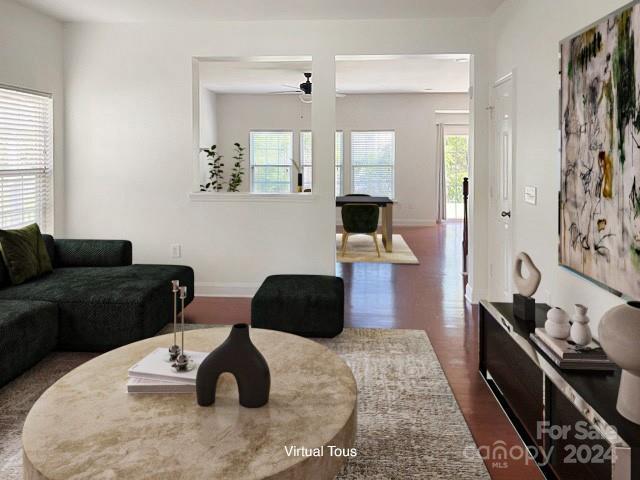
(215, 180)
(235, 180)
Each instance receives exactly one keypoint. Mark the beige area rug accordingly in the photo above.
(409, 424)
(361, 249)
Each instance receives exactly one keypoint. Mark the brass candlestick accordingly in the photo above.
(183, 361)
(174, 350)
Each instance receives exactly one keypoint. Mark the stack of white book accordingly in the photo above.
(155, 374)
(569, 356)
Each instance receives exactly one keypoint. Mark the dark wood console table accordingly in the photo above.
(568, 415)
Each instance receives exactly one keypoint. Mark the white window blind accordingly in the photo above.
(372, 163)
(306, 157)
(26, 159)
(270, 155)
(306, 160)
(339, 162)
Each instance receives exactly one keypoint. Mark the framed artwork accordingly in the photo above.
(600, 143)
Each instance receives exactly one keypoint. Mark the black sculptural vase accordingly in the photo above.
(238, 356)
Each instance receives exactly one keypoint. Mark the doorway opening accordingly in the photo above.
(456, 164)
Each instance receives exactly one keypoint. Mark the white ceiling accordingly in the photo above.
(361, 74)
(169, 10)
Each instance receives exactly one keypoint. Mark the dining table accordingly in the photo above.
(386, 206)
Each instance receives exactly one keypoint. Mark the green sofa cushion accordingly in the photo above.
(24, 253)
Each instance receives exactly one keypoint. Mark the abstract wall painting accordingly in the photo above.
(600, 127)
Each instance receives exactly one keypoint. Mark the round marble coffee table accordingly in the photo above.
(87, 426)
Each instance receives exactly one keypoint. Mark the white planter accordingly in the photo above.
(557, 324)
(580, 330)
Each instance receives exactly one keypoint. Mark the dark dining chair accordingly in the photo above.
(360, 218)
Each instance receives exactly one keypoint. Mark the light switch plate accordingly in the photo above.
(176, 250)
(530, 194)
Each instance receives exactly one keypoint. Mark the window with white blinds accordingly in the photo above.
(271, 154)
(306, 159)
(373, 163)
(26, 159)
(339, 162)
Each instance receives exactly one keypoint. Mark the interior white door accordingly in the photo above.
(503, 116)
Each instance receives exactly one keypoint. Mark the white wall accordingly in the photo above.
(412, 116)
(31, 57)
(527, 34)
(129, 140)
(208, 118)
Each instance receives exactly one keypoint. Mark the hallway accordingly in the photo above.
(429, 297)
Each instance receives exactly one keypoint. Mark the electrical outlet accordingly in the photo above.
(176, 250)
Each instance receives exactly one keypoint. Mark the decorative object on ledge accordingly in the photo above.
(237, 355)
(580, 330)
(524, 306)
(183, 363)
(296, 165)
(174, 350)
(215, 179)
(557, 324)
(619, 333)
(235, 180)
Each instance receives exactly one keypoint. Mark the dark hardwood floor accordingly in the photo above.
(428, 297)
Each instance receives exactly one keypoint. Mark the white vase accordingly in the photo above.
(580, 330)
(619, 334)
(557, 324)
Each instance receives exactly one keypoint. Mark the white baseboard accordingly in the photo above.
(226, 289)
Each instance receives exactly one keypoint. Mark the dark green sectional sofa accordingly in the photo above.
(94, 300)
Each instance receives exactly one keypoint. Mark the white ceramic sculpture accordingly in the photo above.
(526, 286)
(557, 324)
(580, 330)
(619, 335)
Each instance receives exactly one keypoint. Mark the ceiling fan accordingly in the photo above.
(303, 90)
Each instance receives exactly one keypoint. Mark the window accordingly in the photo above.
(26, 159)
(456, 148)
(339, 162)
(372, 163)
(270, 159)
(306, 158)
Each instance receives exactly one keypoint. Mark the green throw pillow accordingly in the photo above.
(24, 253)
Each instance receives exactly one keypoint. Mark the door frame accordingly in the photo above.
(495, 292)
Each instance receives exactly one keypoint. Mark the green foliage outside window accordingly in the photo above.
(456, 148)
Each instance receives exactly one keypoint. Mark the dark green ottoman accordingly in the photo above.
(28, 333)
(306, 305)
